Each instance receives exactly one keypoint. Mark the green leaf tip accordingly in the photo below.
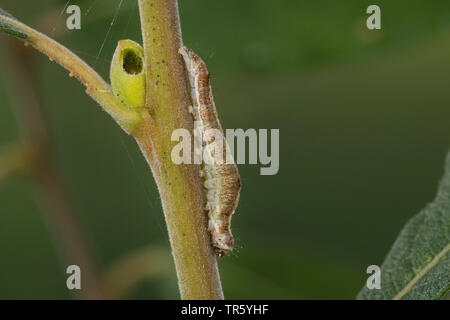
(418, 265)
(8, 28)
(128, 73)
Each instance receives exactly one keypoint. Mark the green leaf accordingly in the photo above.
(418, 265)
(8, 28)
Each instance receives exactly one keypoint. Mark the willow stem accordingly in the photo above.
(180, 186)
(96, 87)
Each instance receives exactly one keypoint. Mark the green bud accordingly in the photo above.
(128, 73)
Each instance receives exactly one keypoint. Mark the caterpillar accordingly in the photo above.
(221, 180)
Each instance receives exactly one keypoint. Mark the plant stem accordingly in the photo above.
(96, 87)
(180, 186)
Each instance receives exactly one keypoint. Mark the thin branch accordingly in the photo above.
(96, 87)
(180, 186)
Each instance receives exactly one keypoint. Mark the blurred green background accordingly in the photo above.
(364, 130)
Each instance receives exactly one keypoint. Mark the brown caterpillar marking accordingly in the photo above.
(221, 180)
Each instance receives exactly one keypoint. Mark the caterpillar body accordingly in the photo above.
(221, 180)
